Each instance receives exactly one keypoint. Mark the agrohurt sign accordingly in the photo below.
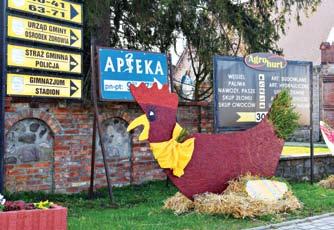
(265, 61)
(245, 88)
(120, 68)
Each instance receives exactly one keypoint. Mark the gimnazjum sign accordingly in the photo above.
(120, 68)
(243, 95)
(43, 86)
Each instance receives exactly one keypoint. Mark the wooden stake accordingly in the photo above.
(97, 116)
(92, 167)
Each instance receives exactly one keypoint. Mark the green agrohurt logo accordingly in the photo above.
(265, 61)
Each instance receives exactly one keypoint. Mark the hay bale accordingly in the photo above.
(327, 183)
(241, 206)
(179, 204)
(234, 201)
(237, 205)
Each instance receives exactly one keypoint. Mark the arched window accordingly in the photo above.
(29, 156)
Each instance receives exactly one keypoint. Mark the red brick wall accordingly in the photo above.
(327, 53)
(327, 83)
(72, 124)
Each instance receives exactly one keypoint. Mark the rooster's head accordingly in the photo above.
(160, 108)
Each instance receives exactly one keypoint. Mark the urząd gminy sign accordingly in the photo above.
(120, 68)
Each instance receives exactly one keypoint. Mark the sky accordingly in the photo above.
(303, 42)
(299, 42)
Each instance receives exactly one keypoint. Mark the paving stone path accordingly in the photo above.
(322, 222)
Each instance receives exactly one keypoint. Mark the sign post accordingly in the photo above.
(3, 18)
(97, 119)
(311, 126)
(32, 46)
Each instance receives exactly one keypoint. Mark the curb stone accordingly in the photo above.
(293, 222)
(304, 144)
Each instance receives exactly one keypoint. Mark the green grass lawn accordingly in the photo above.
(140, 207)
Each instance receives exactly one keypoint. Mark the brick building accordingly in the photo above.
(49, 144)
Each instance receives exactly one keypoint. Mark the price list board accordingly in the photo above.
(244, 94)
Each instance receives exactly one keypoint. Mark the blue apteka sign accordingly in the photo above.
(120, 68)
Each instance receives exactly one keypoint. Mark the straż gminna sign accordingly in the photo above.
(265, 61)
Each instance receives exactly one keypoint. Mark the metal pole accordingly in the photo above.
(3, 19)
(170, 67)
(96, 112)
(131, 166)
(311, 124)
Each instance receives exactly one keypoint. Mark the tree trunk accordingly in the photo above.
(199, 118)
(97, 23)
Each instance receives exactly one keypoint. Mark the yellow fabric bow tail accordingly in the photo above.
(172, 154)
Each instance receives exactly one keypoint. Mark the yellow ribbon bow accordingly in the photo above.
(172, 154)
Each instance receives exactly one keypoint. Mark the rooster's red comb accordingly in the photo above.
(153, 95)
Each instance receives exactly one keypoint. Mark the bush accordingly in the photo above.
(282, 115)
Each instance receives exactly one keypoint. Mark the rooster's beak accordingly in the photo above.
(142, 120)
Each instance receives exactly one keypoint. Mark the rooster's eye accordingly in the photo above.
(151, 115)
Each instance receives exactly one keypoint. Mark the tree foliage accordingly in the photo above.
(223, 27)
(144, 24)
(282, 115)
(209, 27)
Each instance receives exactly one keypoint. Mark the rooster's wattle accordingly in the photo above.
(202, 162)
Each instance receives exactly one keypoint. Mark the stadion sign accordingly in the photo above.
(120, 68)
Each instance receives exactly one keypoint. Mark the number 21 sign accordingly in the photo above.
(58, 9)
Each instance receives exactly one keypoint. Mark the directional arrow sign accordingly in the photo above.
(74, 12)
(74, 38)
(44, 59)
(44, 32)
(73, 63)
(120, 68)
(73, 87)
(43, 86)
(58, 9)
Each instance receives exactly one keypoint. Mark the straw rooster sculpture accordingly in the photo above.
(200, 163)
